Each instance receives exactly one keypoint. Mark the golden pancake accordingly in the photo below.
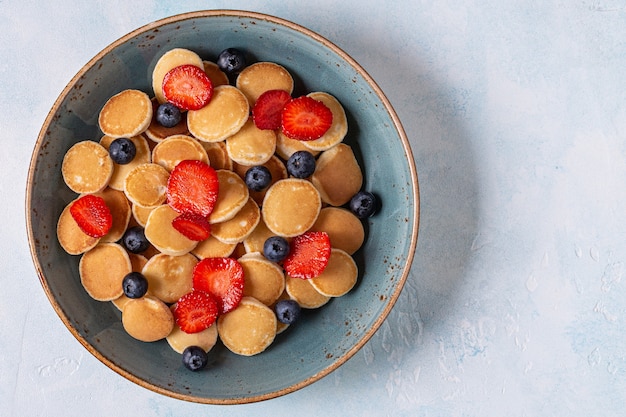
(120, 172)
(303, 292)
(251, 145)
(71, 237)
(162, 235)
(126, 114)
(102, 270)
(217, 155)
(87, 167)
(232, 196)
(337, 175)
(255, 241)
(345, 230)
(147, 319)
(338, 129)
(215, 74)
(249, 329)
(225, 114)
(239, 227)
(168, 61)
(141, 214)
(157, 132)
(169, 277)
(120, 209)
(146, 185)
(260, 77)
(339, 276)
(277, 170)
(213, 248)
(264, 280)
(179, 340)
(170, 151)
(285, 146)
(291, 207)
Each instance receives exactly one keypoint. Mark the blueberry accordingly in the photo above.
(231, 61)
(363, 204)
(287, 311)
(168, 115)
(135, 285)
(135, 240)
(195, 358)
(301, 164)
(276, 248)
(258, 177)
(122, 151)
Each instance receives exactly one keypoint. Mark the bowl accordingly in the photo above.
(328, 336)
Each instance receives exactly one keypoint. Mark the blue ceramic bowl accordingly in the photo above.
(328, 336)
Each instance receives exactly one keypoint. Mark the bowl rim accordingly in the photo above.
(239, 14)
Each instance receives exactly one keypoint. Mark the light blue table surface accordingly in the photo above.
(516, 302)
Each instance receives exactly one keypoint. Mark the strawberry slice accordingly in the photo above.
(268, 108)
(222, 278)
(308, 255)
(187, 87)
(92, 215)
(305, 118)
(192, 187)
(195, 311)
(192, 225)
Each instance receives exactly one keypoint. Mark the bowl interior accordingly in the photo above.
(326, 337)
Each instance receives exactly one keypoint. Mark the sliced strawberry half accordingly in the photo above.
(92, 215)
(308, 255)
(193, 226)
(187, 87)
(192, 187)
(222, 278)
(305, 118)
(195, 311)
(268, 108)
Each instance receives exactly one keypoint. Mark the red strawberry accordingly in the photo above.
(195, 311)
(305, 118)
(187, 87)
(92, 215)
(308, 255)
(192, 225)
(222, 278)
(267, 109)
(192, 187)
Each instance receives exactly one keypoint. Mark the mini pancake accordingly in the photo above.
(87, 167)
(285, 146)
(232, 196)
(120, 209)
(225, 114)
(345, 230)
(215, 74)
(126, 114)
(337, 175)
(213, 248)
(217, 154)
(146, 185)
(291, 207)
(157, 132)
(102, 270)
(120, 172)
(170, 151)
(179, 340)
(147, 319)
(277, 170)
(338, 129)
(260, 77)
(264, 280)
(162, 235)
(141, 214)
(255, 241)
(71, 238)
(169, 60)
(251, 145)
(303, 292)
(169, 277)
(339, 276)
(249, 329)
(239, 227)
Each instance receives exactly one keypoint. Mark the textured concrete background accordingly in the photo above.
(515, 306)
